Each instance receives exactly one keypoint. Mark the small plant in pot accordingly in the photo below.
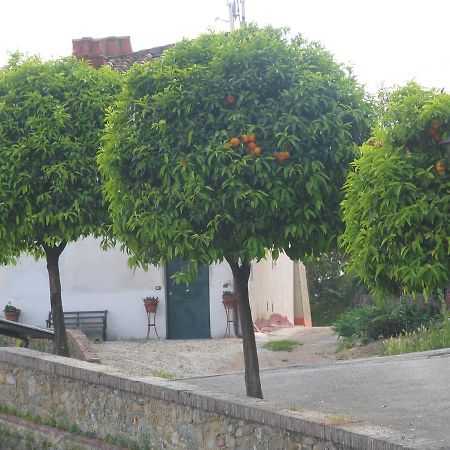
(150, 303)
(229, 299)
(11, 312)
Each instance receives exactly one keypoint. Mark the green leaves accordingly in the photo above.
(189, 192)
(397, 205)
(51, 118)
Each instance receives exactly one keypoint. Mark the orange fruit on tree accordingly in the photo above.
(251, 137)
(251, 146)
(440, 167)
(257, 150)
(244, 139)
(287, 154)
(230, 100)
(184, 162)
(235, 142)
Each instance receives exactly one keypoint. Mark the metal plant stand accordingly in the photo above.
(151, 322)
(230, 307)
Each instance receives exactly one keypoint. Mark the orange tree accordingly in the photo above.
(231, 146)
(51, 117)
(397, 200)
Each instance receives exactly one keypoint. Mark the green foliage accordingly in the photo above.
(283, 345)
(331, 290)
(397, 200)
(11, 308)
(161, 373)
(385, 320)
(432, 337)
(51, 116)
(352, 323)
(346, 343)
(176, 185)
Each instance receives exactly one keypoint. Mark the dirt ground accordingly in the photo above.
(191, 358)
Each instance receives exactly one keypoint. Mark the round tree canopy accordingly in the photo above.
(51, 117)
(230, 145)
(397, 200)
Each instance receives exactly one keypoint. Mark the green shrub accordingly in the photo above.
(353, 322)
(434, 336)
(385, 326)
(385, 320)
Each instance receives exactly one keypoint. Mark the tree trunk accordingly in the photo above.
(52, 255)
(241, 275)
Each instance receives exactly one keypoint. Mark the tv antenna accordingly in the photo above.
(236, 12)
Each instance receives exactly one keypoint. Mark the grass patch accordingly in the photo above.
(161, 373)
(432, 337)
(284, 345)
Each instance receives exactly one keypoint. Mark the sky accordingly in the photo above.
(387, 42)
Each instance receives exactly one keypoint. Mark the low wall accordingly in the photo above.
(158, 414)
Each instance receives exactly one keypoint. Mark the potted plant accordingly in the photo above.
(150, 303)
(229, 299)
(11, 312)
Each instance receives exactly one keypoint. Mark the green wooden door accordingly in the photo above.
(187, 306)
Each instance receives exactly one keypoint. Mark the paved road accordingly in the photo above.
(408, 393)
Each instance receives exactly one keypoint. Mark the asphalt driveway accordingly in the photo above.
(408, 393)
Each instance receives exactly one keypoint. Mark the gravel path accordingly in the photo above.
(195, 358)
(178, 359)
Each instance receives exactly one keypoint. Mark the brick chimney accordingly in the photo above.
(97, 50)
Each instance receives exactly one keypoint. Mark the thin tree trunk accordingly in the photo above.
(241, 275)
(52, 254)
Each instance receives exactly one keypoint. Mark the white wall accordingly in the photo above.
(93, 279)
(219, 274)
(271, 288)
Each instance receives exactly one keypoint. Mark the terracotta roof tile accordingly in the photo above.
(123, 63)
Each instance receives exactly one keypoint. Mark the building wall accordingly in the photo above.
(302, 311)
(271, 288)
(93, 279)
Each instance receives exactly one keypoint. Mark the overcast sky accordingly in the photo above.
(386, 41)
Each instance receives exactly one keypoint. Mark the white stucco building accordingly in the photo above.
(93, 279)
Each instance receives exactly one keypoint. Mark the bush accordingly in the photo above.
(435, 336)
(385, 326)
(353, 322)
(385, 320)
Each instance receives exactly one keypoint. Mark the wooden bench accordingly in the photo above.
(85, 320)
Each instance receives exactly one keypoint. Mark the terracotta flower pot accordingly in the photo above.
(229, 301)
(150, 306)
(14, 316)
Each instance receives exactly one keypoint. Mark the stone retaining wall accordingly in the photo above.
(20, 434)
(159, 414)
